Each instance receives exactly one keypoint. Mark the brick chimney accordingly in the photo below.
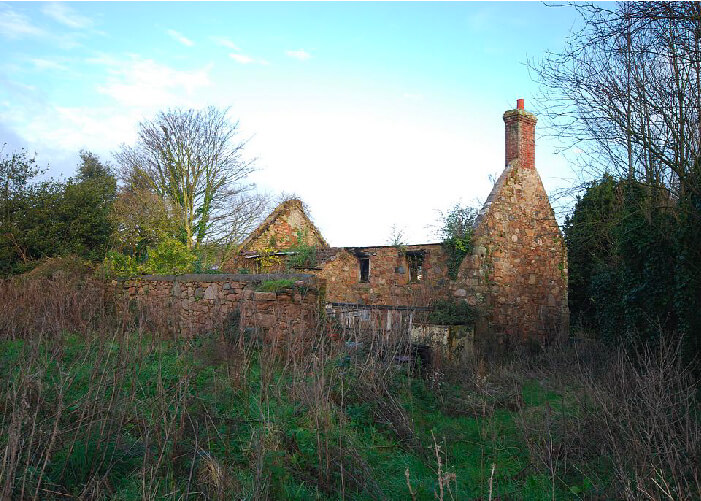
(520, 136)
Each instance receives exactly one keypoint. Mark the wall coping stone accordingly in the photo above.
(225, 277)
(360, 306)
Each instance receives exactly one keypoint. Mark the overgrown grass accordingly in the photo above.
(114, 409)
(276, 285)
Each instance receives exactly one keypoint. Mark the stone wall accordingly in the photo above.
(202, 302)
(517, 273)
(283, 229)
(389, 275)
(353, 318)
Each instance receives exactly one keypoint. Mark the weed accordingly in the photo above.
(100, 401)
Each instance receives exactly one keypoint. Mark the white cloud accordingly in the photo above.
(225, 42)
(87, 127)
(300, 54)
(181, 38)
(148, 84)
(15, 25)
(137, 89)
(48, 64)
(63, 14)
(242, 58)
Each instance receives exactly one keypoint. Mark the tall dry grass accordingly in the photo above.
(101, 400)
(626, 418)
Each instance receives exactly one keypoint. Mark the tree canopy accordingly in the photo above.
(194, 161)
(50, 218)
(626, 93)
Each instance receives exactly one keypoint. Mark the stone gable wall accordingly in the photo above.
(283, 230)
(202, 302)
(516, 274)
(518, 270)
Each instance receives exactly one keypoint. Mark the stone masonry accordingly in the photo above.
(389, 280)
(283, 229)
(519, 261)
(202, 302)
(516, 274)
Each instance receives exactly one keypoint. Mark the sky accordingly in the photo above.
(378, 115)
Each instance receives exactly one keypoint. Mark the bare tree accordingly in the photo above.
(626, 91)
(195, 162)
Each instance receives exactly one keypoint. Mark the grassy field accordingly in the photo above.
(117, 409)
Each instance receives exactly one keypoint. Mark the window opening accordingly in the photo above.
(364, 268)
(416, 266)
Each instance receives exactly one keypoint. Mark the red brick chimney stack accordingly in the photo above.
(520, 136)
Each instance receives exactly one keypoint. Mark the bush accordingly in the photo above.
(448, 312)
(120, 265)
(169, 257)
(304, 255)
(630, 253)
(456, 231)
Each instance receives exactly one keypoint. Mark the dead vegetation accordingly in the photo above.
(103, 401)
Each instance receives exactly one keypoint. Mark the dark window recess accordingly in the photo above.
(364, 268)
(416, 264)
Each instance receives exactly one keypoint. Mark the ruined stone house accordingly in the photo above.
(516, 275)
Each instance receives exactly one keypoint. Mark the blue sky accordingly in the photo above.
(376, 114)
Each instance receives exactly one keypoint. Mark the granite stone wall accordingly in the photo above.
(201, 302)
(389, 279)
(516, 275)
(518, 269)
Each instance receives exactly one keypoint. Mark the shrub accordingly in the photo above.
(304, 255)
(448, 312)
(456, 231)
(170, 256)
(120, 265)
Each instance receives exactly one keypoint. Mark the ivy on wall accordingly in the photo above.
(456, 231)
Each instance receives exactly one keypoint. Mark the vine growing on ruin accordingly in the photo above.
(304, 254)
(456, 229)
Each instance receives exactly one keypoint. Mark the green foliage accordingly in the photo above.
(304, 255)
(16, 170)
(169, 257)
(276, 285)
(589, 234)
(50, 218)
(456, 231)
(120, 265)
(85, 208)
(140, 220)
(628, 261)
(451, 312)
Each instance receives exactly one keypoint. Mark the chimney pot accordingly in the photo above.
(520, 136)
